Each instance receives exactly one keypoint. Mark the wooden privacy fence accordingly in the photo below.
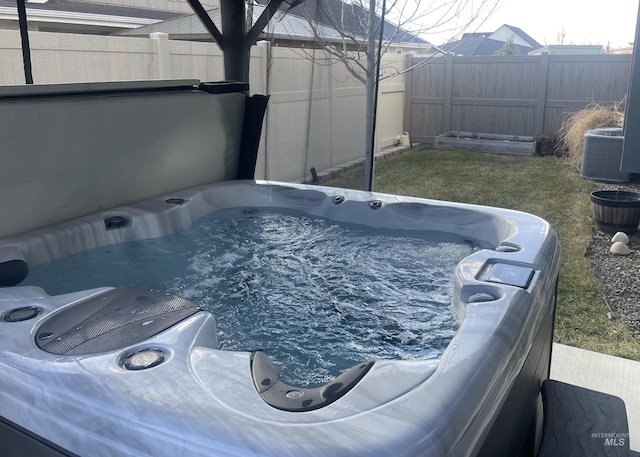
(515, 95)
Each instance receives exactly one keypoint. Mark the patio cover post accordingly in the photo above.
(235, 41)
(236, 49)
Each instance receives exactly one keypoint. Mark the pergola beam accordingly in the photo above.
(263, 20)
(208, 24)
(234, 40)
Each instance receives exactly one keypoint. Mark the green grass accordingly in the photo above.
(548, 187)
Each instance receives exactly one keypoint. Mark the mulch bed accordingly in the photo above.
(620, 275)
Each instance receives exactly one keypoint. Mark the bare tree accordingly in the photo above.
(368, 27)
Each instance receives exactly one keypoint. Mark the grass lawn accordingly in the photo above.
(545, 186)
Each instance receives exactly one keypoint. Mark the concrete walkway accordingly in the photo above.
(604, 373)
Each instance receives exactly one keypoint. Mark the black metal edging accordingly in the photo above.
(117, 89)
(227, 87)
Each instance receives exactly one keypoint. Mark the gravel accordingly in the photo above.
(620, 275)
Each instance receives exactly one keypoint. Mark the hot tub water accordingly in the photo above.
(317, 296)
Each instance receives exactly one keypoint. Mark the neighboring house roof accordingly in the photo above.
(479, 46)
(485, 44)
(93, 8)
(287, 26)
(90, 17)
(344, 16)
(525, 36)
(84, 13)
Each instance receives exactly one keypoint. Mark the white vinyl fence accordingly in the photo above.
(316, 112)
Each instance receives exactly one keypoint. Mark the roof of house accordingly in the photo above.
(478, 46)
(288, 22)
(83, 7)
(344, 16)
(481, 43)
(525, 36)
(281, 25)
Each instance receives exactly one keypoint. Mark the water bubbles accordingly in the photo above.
(407, 337)
(318, 297)
(353, 346)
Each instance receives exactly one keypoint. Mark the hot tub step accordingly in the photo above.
(582, 422)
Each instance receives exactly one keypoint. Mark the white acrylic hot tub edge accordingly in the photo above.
(154, 217)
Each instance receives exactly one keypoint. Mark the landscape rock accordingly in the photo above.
(620, 237)
(619, 248)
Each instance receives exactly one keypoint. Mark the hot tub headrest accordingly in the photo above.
(13, 272)
(276, 393)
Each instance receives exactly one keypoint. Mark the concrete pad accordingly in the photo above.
(604, 373)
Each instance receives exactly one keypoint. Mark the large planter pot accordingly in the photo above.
(615, 211)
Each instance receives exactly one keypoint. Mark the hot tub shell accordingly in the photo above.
(480, 398)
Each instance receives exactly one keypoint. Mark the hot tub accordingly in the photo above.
(127, 371)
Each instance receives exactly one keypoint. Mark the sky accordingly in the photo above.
(583, 21)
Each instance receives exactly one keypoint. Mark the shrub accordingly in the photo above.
(577, 124)
(547, 145)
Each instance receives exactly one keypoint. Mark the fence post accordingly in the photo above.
(543, 75)
(448, 92)
(163, 57)
(263, 68)
(406, 115)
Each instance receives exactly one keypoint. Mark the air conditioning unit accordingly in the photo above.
(602, 155)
